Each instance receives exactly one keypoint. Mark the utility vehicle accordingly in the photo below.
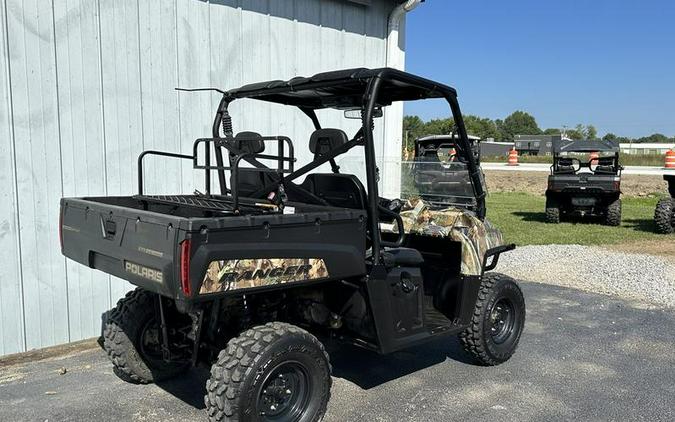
(249, 278)
(585, 179)
(664, 214)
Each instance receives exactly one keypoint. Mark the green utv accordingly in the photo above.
(249, 278)
(580, 184)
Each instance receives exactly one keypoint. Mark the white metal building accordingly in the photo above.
(646, 148)
(85, 86)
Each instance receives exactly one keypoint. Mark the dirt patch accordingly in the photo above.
(48, 352)
(535, 182)
(665, 247)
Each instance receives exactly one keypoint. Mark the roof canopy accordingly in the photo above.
(567, 145)
(343, 89)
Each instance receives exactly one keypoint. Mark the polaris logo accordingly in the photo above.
(143, 272)
(292, 271)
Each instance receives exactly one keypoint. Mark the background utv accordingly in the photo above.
(595, 192)
(248, 279)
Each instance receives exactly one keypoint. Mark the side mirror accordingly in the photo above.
(355, 113)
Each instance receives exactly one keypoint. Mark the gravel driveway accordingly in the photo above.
(583, 356)
(645, 278)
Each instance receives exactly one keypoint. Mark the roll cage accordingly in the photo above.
(364, 89)
(564, 164)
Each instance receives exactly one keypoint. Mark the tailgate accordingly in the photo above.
(136, 245)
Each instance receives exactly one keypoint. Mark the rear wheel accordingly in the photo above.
(497, 322)
(664, 215)
(613, 213)
(133, 341)
(274, 372)
(552, 211)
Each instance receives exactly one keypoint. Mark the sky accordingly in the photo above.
(600, 62)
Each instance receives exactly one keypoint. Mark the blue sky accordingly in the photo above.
(607, 63)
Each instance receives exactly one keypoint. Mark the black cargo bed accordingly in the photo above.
(138, 238)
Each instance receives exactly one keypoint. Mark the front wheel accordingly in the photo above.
(273, 372)
(498, 320)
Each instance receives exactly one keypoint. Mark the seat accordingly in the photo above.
(322, 141)
(339, 190)
(250, 180)
(565, 170)
(402, 257)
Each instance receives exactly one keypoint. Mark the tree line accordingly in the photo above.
(517, 123)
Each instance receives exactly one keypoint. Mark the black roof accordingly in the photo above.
(567, 145)
(343, 89)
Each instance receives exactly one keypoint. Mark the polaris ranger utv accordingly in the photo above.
(593, 192)
(664, 214)
(249, 278)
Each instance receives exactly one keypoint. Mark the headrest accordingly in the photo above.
(605, 161)
(249, 143)
(323, 141)
(565, 162)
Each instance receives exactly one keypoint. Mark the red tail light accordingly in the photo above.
(185, 247)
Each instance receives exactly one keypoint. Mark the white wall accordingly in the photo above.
(85, 86)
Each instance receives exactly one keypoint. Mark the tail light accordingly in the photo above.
(185, 248)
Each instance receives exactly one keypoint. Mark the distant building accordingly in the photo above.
(495, 149)
(646, 148)
(535, 144)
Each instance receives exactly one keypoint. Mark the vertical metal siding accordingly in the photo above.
(86, 85)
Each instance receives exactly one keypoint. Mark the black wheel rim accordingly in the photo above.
(151, 343)
(285, 393)
(502, 320)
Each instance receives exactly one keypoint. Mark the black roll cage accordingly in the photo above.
(352, 88)
(565, 146)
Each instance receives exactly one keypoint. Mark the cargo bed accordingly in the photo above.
(166, 244)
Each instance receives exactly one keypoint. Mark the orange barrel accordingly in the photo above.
(593, 157)
(670, 159)
(513, 157)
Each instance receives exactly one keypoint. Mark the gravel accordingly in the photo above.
(641, 277)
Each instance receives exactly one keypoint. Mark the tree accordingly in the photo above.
(483, 128)
(439, 126)
(654, 138)
(552, 131)
(519, 123)
(581, 132)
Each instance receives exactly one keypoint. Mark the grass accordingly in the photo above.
(625, 159)
(520, 217)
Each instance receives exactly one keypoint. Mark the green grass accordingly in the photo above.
(625, 159)
(520, 217)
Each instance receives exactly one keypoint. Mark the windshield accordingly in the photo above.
(438, 181)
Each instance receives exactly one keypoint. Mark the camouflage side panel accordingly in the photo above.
(237, 274)
(460, 225)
